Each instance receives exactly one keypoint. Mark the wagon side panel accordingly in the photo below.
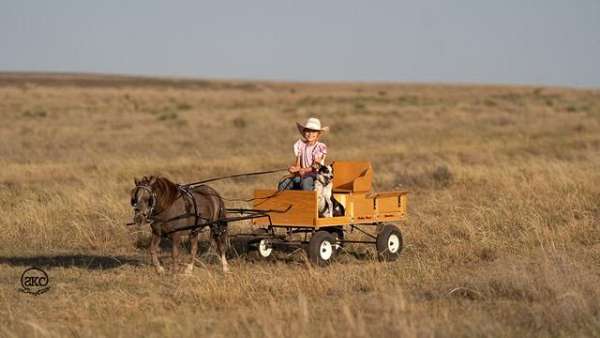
(390, 206)
(302, 207)
(363, 207)
(379, 207)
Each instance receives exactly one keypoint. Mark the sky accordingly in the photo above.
(490, 42)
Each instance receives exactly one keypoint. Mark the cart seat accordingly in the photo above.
(350, 176)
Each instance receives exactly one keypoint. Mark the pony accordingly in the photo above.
(167, 206)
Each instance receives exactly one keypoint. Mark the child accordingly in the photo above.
(307, 151)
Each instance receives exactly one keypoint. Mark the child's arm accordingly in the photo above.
(294, 168)
(304, 171)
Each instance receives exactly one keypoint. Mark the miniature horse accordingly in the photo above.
(167, 206)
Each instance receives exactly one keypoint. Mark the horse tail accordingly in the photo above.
(216, 214)
(219, 230)
(222, 225)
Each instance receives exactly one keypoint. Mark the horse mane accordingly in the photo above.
(166, 191)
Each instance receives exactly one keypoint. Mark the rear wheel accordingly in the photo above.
(389, 243)
(321, 248)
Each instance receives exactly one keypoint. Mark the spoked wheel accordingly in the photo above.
(321, 248)
(389, 243)
(264, 247)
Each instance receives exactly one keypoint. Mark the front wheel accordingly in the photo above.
(263, 247)
(321, 248)
(389, 243)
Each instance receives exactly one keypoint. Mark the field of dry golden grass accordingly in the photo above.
(502, 239)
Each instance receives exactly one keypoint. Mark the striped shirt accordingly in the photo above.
(309, 153)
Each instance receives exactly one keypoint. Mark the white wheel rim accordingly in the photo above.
(264, 249)
(393, 243)
(326, 250)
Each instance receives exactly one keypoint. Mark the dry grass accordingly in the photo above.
(503, 237)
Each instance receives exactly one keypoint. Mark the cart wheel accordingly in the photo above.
(389, 243)
(321, 248)
(263, 246)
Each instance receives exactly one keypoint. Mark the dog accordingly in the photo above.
(327, 204)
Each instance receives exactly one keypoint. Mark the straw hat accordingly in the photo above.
(312, 123)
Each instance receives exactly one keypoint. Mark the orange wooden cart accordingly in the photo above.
(374, 214)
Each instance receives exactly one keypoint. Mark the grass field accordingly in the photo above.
(502, 239)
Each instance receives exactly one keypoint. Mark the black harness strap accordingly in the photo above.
(186, 192)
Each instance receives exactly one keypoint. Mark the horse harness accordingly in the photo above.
(186, 193)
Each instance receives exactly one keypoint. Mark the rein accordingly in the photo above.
(185, 190)
(234, 176)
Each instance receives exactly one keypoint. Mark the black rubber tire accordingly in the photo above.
(389, 243)
(321, 248)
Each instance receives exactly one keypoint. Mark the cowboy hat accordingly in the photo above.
(312, 123)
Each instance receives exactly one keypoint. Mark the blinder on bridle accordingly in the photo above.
(151, 201)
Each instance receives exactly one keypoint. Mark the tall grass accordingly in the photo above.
(502, 239)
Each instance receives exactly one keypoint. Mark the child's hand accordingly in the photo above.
(304, 171)
(293, 169)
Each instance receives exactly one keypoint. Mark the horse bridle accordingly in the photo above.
(152, 203)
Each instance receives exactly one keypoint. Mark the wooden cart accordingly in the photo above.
(368, 212)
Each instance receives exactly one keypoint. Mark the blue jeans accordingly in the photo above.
(297, 183)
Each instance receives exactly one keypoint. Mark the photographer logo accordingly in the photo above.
(34, 281)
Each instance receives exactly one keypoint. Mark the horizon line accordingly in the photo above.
(192, 78)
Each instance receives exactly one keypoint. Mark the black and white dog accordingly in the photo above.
(328, 205)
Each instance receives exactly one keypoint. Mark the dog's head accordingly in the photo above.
(324, 173)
